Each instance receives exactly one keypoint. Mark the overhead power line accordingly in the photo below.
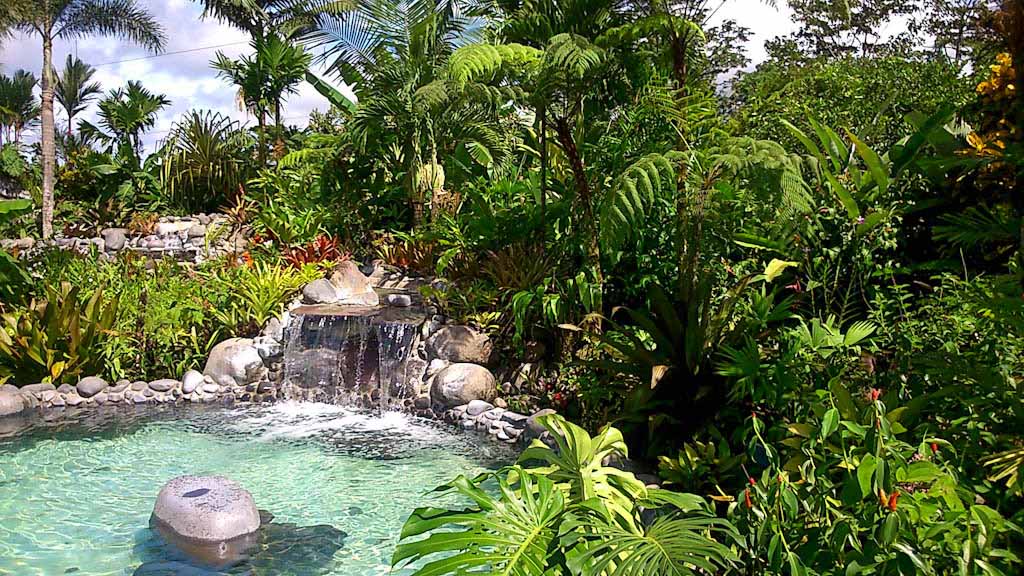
(176, 52)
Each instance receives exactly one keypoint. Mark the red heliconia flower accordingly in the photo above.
(875, 394)
(746, 497)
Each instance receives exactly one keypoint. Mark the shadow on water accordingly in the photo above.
(278, 548)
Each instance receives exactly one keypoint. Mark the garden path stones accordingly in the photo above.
(190, 381)
(91, 386)
(206, 508)
(163, 385)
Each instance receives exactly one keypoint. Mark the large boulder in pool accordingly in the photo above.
(460, 344)
(462, 383)
(234, 362)
(206, 509)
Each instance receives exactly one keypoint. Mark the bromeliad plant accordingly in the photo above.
(56, 339)
(571, 515)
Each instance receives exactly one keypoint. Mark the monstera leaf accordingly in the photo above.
(508, 535)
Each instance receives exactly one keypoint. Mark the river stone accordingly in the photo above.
(163, 385)
(114, 239)
(234, 362)
(101, 398)
(91, 386)
(39, 388)
(206, 508)
(352, 287)
(190, 381)
(460, 384)
(139, 386)
(477, 407)
(319, 291)
(460, 344)
(11, 404)
(9, 389)
(399, 300)
(65, 388)
(120, 386)
(211, 388)
(197, 231)
(74, 399)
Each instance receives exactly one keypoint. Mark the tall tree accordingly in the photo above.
(287, 18)
(956, 26)
(74, 90)
(833, 28)
(265, 77)
(126, 114)
(66, 19)
(19, 108)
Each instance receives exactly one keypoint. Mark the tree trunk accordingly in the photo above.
(261, 138)
(543, 178)
(49, 148)
(587, 222)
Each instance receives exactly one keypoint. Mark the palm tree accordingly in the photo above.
(67, 19)
(395, 53)
(19, 108)
(287, 18)
(265, 77)
(73, 90)
(126, 113)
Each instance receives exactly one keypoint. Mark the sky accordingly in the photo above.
(182, 72)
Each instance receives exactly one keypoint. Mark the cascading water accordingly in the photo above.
(350, 357)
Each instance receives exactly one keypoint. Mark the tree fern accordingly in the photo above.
(631, 196)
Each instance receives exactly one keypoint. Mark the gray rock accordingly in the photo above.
(119, 386)
(399, 300)
(267, 347)
(421, 402)
(101, 398)
(211, 388)
(467, 424)
(74, 399)
(494, 414)
(234, 362)
(319, 291)
(148, 393)
(460, 344)
(352, 287)
(163, 385)
(275, 327)
(514, 418)
(197, 231)
(190, 381)
(206, 509)
(172, 228)
(115, 397)
(460, 384)
(500, 402)
(435, 366)
(65, 388)
(478, 407)
(57, 401)
(502, 435)
(140, 398)
(533, 426)
(11, 404)
(9, 389)
(18, 245)
(139, 386)
(38, 389)
(91, 386)
(114, 239)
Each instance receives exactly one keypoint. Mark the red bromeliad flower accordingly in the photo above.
(746, 497)
(875, 394)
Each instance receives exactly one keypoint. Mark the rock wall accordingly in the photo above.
(187, 239)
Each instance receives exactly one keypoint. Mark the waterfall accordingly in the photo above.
(356, 360)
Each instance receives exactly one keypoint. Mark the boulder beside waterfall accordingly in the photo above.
(234, 362)
(462, 383)
(457, 343)
(346, 286)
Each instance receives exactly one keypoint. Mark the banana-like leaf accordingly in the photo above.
(333, 95)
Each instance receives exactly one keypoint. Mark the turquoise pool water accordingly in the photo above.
(75, 498)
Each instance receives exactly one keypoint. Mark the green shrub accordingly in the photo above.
(56, 339)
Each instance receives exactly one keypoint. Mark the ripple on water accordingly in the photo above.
(76, 499)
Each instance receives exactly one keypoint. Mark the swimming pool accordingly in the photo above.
(76, 495)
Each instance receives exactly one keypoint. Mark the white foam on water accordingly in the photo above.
(293, 420)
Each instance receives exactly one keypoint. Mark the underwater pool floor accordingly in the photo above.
(75, 498)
